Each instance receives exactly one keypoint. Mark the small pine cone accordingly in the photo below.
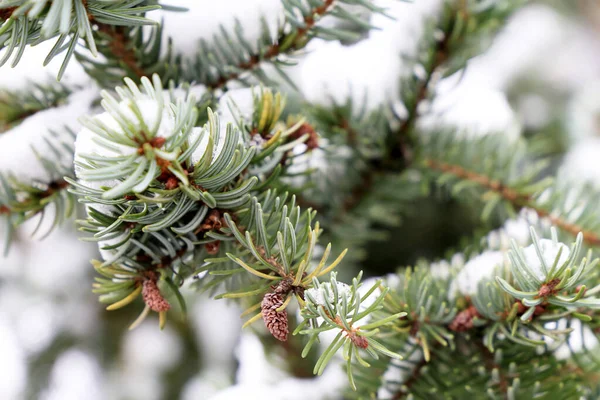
(275, 321)
(153, 298)
(464, 320)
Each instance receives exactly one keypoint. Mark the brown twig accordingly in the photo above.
(6, 13)
(350, 131)
(518, 200)
(34, 198)
(275, 50)
(402, 148)
(120, 46)
(414, 376)
(442, 53)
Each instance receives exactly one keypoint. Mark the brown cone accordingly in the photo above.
(276, 321)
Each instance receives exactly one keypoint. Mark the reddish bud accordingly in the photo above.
(212, 248)
(153, 298)
(171, 183)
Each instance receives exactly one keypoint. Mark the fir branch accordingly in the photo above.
(35, 201)
(421, 91)
(502, 381)
(131, 52)
(514, 197)
(446, 46)
(412, 379)
(29, 22)
(397, 154)
(275, 50)
(347, 124)
(15, 106)
(232, 58)
(121, 48)
(21, 201)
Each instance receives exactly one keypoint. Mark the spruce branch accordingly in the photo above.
(232, 58)
(421, 87)
(20, 202)
(121, 47)
(462, 31)
(162, 195)
(350, 124)
(490, 318)
(47, 198)
(132, 52)
(277, 243)
(412, 379)
(276, 139)
(516, 198)
(284, 43)
(15, 106)
(557, 281)
(29, 22)
(511, 372)
(331, 306)
(384, 150)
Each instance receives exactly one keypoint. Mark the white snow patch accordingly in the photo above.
(258, 379)
(206, 384)
(398, 372)
(219, 337)
(324, 294)
(580, 339)
(203, 20)
(455, 108)
(549, 250)
(583, 112)
(368, 69)
(36, 325)
(16, 155)
(537, 40)
(515, 229)
(31, 68)
(581, 162)
(484, 266)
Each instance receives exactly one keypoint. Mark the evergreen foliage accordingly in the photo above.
(177, 194)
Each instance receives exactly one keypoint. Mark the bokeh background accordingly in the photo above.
(540, 77)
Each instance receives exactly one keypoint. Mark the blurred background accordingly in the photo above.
(540, 78)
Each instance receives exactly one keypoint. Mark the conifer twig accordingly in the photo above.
(414, 377)
(518, 200)
(6, 13)
(35, 200)
(120, 48)
(402, 147)
(275, 50)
